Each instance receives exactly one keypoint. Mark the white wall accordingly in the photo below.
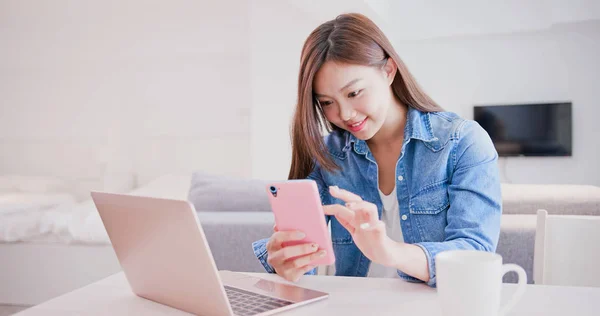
(277, 41)
(429, 19)
(557, 64)
(109, 93)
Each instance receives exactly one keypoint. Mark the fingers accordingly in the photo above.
(344, 216)
(362, 206)
(276, 241)
(275, 228)
(330, 209)
(288, 252)
(306, 269)
(348, 226)
(339, 211)
(366, 216)
(295, 274)
(278, 238)
(305, 260)
(377, 227)
(303, 271)
(292, 262)
(344, 195)
(365, 212)
(295, 269)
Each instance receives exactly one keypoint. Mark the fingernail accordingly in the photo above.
(334, 188)
(322, 253)
(365, 225)
(300, 235)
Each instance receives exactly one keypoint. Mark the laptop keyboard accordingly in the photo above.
(248, 303)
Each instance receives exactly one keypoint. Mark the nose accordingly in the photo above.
(347, 112)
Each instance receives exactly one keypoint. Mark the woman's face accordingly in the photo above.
(353, 97)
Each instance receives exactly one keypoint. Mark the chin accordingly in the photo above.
(363, 135)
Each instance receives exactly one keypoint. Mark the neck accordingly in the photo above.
(391, 132)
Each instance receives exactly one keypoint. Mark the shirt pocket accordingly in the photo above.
(432, 199)
(428, 210)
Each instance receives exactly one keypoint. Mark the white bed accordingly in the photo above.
(45, 252)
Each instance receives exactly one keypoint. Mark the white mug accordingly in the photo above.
(469, 283)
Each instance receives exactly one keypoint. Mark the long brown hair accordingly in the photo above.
(352, 39)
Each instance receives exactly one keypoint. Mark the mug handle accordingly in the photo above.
(520, 290)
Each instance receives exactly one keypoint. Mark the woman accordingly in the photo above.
(400, 179)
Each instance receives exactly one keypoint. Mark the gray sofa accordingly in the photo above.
(235, 212)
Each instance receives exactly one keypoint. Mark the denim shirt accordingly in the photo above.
(447, 185)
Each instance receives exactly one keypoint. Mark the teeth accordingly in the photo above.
(356, 124)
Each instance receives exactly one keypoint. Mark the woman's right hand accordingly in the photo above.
(291, 262)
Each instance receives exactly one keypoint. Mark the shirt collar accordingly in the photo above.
(418, 126)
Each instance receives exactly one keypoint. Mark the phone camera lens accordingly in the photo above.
(273, 190)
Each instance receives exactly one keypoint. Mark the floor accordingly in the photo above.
(6, 310)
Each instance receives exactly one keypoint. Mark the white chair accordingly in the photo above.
(567, 250)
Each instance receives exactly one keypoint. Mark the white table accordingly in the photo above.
(348, 296)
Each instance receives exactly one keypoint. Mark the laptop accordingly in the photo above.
(164, 253)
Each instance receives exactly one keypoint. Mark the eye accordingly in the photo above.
(354, 93)
(325, 103)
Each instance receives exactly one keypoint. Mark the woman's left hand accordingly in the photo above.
(360, 218)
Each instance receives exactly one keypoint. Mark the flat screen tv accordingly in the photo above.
(543, 129)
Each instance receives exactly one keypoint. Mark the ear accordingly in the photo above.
(390, 69)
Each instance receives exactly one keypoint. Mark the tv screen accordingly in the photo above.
(543, 129)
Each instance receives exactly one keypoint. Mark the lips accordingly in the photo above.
(357, 126)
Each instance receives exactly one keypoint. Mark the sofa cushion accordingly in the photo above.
(557, 199)
(217, 193)
(230, 236)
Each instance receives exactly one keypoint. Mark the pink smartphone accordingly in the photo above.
(297, 206)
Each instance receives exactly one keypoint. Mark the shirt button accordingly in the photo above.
(400, 178)
(404, 217)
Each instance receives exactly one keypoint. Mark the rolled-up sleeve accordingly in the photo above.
(473, 218)
(260, 246)
(260, 251)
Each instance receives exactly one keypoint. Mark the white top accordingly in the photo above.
(390, 215)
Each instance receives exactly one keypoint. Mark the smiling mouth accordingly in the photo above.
(357, 126)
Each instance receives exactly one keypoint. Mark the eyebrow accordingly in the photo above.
(344, 87)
